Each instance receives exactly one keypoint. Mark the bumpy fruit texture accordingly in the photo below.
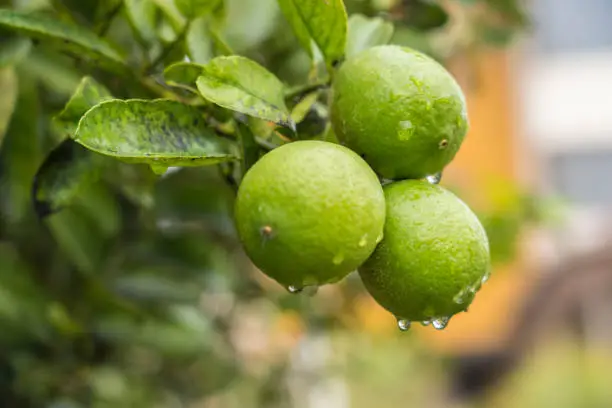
(310, 212)
(434, 255)
(400, 110)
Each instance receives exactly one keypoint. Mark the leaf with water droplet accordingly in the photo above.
(244, 86)
(159, 132)
(293, 289)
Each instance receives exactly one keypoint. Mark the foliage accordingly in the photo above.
(121, 285)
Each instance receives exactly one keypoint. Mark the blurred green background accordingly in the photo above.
(137, 294)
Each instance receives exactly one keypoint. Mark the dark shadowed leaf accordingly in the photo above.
(365, 32)
(424, 15)
(250, 148)
(8, 98)
(192, 9)
(323, 21)
(69, 36)
(13, 50)
(242, 85)
(183, 75)
(88, 94)
(157, 132)
(67, 169)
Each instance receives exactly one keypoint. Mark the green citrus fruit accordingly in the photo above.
(400, 110)
(310, 212)
(434, 256)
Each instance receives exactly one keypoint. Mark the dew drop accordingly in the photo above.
(459, 297)
(363, 241)
(338, 259)
(403, 324)
(293, 289)
(425, 322)
(435, 178)
(440, 323)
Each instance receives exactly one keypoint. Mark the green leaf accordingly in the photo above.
(424, 15)
(250, 148)
(8, 98)
(183, 75)
(13, 50)
(242, 85)
(365, 32)
(142, 15)
(68, 36)
(67, 169)
(159, 132)
(192, 9)
(324, 21)
(199, 42)
(87, 95)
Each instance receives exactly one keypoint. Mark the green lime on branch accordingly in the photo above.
(309, 213)
(434, 256)
(400, 110)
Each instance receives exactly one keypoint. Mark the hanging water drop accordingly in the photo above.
(440, 323)
(435, 178)
(403, 324)
(459, 297)
(293, 289)
(425, 322)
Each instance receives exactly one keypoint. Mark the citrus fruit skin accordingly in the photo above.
(400, 110)
(434, 255)
(309, 212)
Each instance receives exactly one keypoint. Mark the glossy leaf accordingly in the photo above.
(64, 173)
(183, 75)
(157, 132)
(323, 21)
(8, 98)
(365, 32)
(13, 50)
(88, 94)
(68, 36)
(192, 9)
(242, 85)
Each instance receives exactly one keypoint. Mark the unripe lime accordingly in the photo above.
(434, 256)
(400, 110)
(310, 212)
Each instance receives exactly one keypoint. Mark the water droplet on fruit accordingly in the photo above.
(293, 289)
(440, 323)
(338, 259)
(403, 324)
(425, 323)
(484, 279)
(363, 241)
(435, 178)
(379, 238)
(459, 297)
